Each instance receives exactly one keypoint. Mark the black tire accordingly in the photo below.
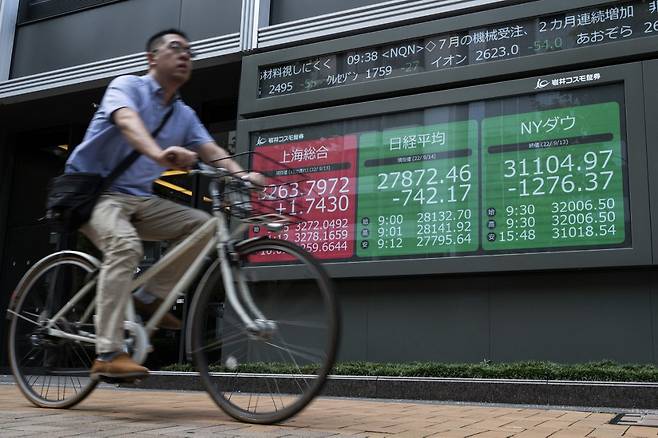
(51, 371)
(266, 379)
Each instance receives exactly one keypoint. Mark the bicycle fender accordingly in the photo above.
(251, 239)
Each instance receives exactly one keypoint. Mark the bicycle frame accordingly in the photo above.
(221, 241)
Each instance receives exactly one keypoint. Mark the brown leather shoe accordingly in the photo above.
(168, 321)
(122, 367)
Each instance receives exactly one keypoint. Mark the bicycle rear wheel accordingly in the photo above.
(50, 370)
(266, 377)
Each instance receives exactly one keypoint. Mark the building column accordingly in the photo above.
(255, 14)
(8, 18)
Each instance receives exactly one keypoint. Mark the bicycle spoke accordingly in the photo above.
(289, 350)
(233, 339)
(272, 394)
(88, 358)
(278, 391)
(36, 379)
(79, 357)
(44, 380)
(28, 353)
(220, 343)
(302, 324)
(48, 388)
(299, 386)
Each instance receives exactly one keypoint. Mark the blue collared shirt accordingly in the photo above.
(103, 146)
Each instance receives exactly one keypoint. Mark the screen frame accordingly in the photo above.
(639, 254)
(650, 70)
(251, 105)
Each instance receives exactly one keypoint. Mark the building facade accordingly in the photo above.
(477, 175)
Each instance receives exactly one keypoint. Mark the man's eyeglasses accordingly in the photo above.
(179, 48)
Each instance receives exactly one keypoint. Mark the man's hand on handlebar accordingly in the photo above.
(255, 178)
(176, 157)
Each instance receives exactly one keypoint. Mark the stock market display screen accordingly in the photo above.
(533, 173)
(585, 27)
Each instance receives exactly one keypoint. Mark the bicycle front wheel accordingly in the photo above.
(267, 375)
(51, 368)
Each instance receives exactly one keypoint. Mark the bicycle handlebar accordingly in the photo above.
(207, 170)
(220, 172)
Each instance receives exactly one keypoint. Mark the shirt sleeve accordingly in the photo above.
(123, 92)
(197, 134)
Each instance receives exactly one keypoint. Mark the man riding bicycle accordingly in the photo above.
(128, 211)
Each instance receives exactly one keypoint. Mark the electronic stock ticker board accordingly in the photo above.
(539, 172)
(533, 173)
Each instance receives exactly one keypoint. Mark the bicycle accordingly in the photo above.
(263, 352)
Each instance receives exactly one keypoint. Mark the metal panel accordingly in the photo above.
(354, 314)
(47, 39)
(576, 316)
(204, 19)
(45, 9)
(378, 15)
(96, 74)
(283, 11)
(8, 16)
(251, 104)
(91, 35)
(572, 317)
(563, 316)
(640, 254)
(447, 318)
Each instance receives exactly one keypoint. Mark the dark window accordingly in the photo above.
(32, 10)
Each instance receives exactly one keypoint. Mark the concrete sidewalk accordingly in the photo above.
(148, 413)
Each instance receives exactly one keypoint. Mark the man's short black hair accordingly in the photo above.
(156, 39)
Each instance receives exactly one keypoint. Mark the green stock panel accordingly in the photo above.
(418, 190)
(553, 178)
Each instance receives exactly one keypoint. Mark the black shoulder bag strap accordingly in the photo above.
(133, 156)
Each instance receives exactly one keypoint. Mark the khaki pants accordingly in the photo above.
(117, 226)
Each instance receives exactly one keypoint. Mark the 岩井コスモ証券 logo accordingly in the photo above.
(567, 80)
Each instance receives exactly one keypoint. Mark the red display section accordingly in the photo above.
(315, 181)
